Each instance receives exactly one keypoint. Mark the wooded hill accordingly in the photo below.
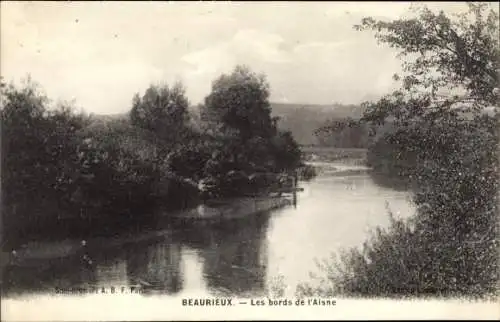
(303, 120)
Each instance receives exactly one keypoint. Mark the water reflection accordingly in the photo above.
(233, 255)
(44, 276)
(155, 267)
(229, 254)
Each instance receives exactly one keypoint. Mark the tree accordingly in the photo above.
(443, 57)
(288, 155)
(238, 113)
(245, 138)
(447, 147)
(162, 110)
(240, 102)
(39, 158)
(443, 141)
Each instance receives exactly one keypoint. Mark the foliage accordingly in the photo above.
(389, 264)
(237, 116)
(38, 145)
(448, 249)
(74, 173)
(286, 151)
(39, 155)
(443, 140)
(240, 102)
(163, 111)
(65, 173)
(460, 53)
(189, 160)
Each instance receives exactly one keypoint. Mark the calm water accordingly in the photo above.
(244, 258)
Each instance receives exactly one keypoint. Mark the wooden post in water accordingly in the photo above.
(294, 186)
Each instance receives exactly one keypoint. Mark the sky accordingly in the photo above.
(99, 54)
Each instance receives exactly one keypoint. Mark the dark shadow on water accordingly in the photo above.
(42, 277)
(151, 265)
(233, 256)
(392, 182)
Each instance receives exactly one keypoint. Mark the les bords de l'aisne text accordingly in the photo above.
(258, 302)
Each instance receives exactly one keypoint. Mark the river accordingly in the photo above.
(335, 211)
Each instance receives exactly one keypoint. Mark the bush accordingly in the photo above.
(387, 265)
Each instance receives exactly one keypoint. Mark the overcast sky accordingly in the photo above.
(101, 53)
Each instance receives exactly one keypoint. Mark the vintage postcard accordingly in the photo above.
(249, 160)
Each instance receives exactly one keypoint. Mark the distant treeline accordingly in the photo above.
(67, 173)
(344, 133)
(338, 126)
(325, 125)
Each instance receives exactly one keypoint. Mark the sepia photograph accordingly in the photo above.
(245, 160)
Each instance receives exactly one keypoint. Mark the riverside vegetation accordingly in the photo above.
(72, 174)
(70, 171)
(443, 148)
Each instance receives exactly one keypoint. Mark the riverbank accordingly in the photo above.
(230, 209)
(332, 154)
(340, 168)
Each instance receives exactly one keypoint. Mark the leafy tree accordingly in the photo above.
(39, 157)
(443, 139)
(240, 102)
(237, 112)
(447, 61)
(237, 115)
(451, 74)
(450, 69)
(162, 110)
